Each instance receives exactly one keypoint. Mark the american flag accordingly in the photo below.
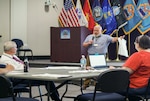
(68, 16)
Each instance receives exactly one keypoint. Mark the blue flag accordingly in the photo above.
(119, 14)
(109, 17)
(144, 10)
(98, 13)
(132, 16)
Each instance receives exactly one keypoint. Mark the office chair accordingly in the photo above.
(108, 82)
(20, 45)
(7, 92)
(145, 95)
(19, 88)
(26, 87)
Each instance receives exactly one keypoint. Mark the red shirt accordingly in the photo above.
(139, 62)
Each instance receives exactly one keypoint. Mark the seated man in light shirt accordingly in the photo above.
(9, 57)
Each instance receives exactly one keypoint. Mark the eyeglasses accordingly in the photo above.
(135, 42)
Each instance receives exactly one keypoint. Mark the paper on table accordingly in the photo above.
(87, 71)
(62, 67)
(79, 71)
(16, 72)
(52, 75)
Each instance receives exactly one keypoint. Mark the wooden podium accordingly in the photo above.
(66, 43)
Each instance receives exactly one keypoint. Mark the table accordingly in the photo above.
(59, 73)
(48, 63)
(62, 73)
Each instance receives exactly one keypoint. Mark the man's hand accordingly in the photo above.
(122, 37)
(9, 67)
(90, 42)
(89, 68)
(86, 44)
(111, 67)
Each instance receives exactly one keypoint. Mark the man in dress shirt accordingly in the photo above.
(9, 57)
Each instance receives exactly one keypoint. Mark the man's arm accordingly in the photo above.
(86, 44)
(115, 39)
(126, 68)
(7, 69)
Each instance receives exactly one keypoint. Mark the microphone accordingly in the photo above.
(93, 38)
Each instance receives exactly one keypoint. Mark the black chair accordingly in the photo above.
(108, 82)
(7, 92)
(20, 45)
(20, 88)
(145, 95)
(23, 87)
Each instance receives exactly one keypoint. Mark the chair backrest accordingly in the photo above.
(147, 92)
(113, 80)
(19, 42)
(6, 88)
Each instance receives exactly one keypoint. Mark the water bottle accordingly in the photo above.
(26, 65)
(83, 62)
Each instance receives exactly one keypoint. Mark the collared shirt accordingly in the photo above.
(8, 59)
(100, 45)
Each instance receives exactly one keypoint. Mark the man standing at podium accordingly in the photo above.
(97, 43)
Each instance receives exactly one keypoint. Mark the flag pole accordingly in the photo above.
(117, 59)
(107, 57)
(129, 44)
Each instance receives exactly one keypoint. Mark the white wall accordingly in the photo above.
(29, 21)
(19, 19)
(4, 22)
(39, 23)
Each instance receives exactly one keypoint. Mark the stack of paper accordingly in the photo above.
(87, 71)
(61, 67)
(52, 75)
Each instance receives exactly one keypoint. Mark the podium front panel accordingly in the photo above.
(66, 43)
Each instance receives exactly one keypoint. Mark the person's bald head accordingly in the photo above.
(97, 30)
(10, 47)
